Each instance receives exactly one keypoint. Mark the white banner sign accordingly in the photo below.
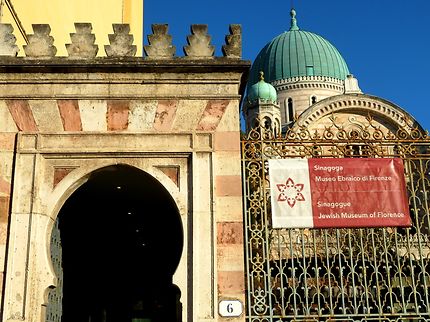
(291, 194)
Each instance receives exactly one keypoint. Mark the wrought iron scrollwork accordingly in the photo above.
(337, 274)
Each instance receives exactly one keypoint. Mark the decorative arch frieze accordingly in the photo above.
(391, 115)
(309, 82)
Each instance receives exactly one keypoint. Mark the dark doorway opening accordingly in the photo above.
(122, 240)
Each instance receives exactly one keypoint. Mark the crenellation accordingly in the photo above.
(233, 46)
(121, 42)
(40, 44)
(83, 43)
(82, 46)
(160, 43)
(7, 40)
(199, 43)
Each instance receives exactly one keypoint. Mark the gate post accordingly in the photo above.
(27, 241)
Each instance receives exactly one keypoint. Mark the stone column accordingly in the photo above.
(7, 142)
(17, 297)
(203, 238)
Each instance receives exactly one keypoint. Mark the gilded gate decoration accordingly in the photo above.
(379, 274)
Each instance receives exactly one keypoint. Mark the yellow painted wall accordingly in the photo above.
(62, 14)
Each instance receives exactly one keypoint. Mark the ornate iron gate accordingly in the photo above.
(379, 274)
(54, 308)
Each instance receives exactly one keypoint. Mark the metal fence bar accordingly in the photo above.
(387, 261)
(353, 280)
(400, 276)
(424, 172)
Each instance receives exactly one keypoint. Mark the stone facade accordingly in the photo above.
(266, 112)
(303, 92)
(174, 118)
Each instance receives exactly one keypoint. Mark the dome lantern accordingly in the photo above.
(293, 20)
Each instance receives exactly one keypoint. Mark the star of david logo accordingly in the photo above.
(290, 192)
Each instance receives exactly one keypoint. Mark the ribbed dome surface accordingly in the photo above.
(298, 53)
(263, 91)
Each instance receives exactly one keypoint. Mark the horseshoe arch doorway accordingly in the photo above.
(116, 244)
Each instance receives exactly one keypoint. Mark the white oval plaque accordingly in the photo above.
(230, 308)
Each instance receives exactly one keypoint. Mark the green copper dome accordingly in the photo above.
(262, 91)
(298, 53)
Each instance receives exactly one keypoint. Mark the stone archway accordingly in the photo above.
(389, 117)
(119, 261)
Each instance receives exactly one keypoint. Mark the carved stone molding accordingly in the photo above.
(40, 44)
(82, 45)
(233, 46)
(160, 43)
(199, 43)
(7, 40)
(121, 42)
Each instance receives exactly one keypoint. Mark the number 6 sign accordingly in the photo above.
(230, 308)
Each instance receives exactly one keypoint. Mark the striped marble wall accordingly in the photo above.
(53, 116)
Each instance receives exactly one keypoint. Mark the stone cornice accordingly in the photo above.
(47, 76)
(307, 79)
(129, 65)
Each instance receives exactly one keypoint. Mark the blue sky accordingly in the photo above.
(386, 43)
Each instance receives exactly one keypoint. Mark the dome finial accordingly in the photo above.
(293, 20)
(261, 75)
